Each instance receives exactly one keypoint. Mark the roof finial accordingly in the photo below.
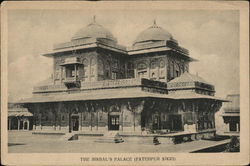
(154, 22)
(154, 25)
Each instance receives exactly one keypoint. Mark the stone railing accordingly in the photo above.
(179, 85)
(48, 88)
(71, 79)
(123, 83)
(105, 84)
(111, 83)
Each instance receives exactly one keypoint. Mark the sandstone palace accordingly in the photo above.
(100, 86)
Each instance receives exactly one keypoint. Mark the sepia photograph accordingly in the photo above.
(126, 79)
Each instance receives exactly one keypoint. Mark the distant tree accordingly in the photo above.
(234, 145)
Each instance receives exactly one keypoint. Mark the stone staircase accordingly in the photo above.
(110, 137)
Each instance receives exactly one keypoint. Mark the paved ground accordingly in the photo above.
(26, 142)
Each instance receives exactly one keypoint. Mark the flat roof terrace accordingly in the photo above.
(106, 84)
(109, 89)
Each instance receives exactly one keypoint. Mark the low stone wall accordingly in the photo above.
(176, 139)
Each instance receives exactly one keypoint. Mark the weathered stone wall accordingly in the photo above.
(110, 65)
(92, 115)
(134, 115)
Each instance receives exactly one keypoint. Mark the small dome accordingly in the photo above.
(153, 33)
(93, 30)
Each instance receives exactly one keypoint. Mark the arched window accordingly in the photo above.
(142, 70)
(182, 68)
(130, 70)
(153, 65)
(85, 62)
(162, 70)
(162, 64)
(142, 66)
(177, 70)
(92, 61)
(85, 68)
(153, 70)
(100, 67)
(107, 69)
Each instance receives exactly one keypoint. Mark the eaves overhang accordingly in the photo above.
(85, 46)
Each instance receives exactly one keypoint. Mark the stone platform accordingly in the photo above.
(169, 138)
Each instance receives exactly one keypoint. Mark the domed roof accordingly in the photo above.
(93, 30)
(153, 33)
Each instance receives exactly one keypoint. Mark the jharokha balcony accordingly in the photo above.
(104, 84)
(72, 82)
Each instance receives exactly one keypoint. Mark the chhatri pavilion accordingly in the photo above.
(99, 85)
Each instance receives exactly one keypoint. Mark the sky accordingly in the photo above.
(212, 37)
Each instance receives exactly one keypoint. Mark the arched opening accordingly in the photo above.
(14, 123)
(25, 126)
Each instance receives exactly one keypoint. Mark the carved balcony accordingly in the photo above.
(72, 82)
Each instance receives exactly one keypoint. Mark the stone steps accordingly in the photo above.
(70, 136)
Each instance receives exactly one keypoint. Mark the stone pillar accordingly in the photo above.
(121, 120)
(135, 71)
(69, 122)
(18, 124)
(28, 125)
(148, 69)
(23, 124)
(80, 121)
(75, 71)
(40, 121)
(97, 119)
(9, 123)
(237, 127)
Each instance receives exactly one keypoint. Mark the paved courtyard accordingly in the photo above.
(26, 142)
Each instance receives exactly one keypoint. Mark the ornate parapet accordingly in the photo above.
(111, 84)
(123, 83)
(144, 84)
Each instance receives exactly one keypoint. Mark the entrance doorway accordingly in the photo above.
(114, 122)
(75, 122)
(156, 122)
(176, 123)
